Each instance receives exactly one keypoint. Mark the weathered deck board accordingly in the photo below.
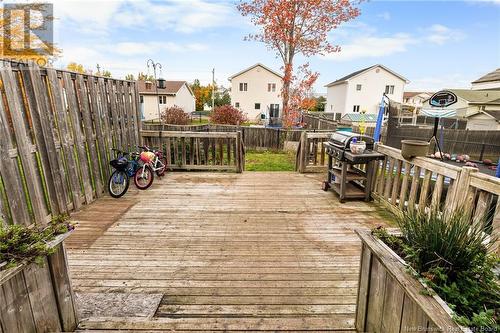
(252, 251)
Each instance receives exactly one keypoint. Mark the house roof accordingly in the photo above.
(252, 67)
(171, 88)
(410, 94)
(358, 117)
(494, 114)
(356, 73)
(491, 76)
(478, 96)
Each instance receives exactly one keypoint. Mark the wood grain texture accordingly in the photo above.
(78, 136)
(15, 308)
(62, 289)
(24, 144)
(42, 299)
(250, 251)
(415, 310)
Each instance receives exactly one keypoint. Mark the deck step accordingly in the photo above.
(316, 323)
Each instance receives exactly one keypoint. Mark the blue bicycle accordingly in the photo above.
(125, 168)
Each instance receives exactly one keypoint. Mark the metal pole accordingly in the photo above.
(213, 89)
(151, 63)
(498, 169)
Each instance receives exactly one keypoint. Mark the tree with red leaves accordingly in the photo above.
(292, 27)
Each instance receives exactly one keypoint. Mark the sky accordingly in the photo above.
(434, 44)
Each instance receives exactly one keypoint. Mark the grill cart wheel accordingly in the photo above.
(325, 186)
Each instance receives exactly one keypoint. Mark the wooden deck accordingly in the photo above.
(218, 251)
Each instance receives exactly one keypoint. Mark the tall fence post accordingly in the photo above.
(462, 196)
(239, 153)
(302, 155)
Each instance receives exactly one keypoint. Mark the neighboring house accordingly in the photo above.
(257, 91)
(363, 89)
(414, 100)
(412, 104)
(481, 108)
(174, 93)
(488, 81)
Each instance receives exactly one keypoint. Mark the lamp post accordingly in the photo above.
(157, 65)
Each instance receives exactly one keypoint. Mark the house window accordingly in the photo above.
(358, 87)
(355, 108)
(243, 86)
(237, 104)
(389, 90)
(162, 99)
(271, 87)
(257, 106)
(141, 99)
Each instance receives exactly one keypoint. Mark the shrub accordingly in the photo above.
(450, 241)
(20, 243)
(175, 115)
(227, 115)
(449, 253)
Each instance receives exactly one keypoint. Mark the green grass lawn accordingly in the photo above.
(269, 160)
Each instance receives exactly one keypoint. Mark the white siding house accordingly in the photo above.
(488, 81)
(257, 90)
(175, 93)
(363, 89)
(481, 108)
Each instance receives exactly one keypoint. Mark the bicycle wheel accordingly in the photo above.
(118, 184)
(161, 171)
(144, 177)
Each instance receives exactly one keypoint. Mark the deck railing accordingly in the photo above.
(423, 183)
(199, 150)
(311, 154)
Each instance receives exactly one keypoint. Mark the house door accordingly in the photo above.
(274, 114)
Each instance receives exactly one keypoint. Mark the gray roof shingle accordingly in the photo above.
(491, 76)
(353, 74)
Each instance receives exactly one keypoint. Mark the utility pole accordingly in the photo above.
(213, 89)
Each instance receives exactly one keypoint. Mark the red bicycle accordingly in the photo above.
(153, 162)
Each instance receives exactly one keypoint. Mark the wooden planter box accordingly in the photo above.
(38, 298)
(390, 300)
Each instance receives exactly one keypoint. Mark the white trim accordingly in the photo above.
(366, 70)
(252, 67)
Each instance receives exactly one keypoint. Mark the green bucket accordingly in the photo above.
(414, 148)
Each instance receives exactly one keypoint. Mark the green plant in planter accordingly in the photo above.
(450, 241)
(449, 252)
(20, 243)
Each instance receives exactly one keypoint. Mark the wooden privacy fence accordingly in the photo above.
(57, 128)
(390, 300)
(56, 132)
(319, 122)
(199, 150)
(424, 183)
(311, 154)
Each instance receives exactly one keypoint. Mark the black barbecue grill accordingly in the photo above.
(349, 174)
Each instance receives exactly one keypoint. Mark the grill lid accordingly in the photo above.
(343, 139)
